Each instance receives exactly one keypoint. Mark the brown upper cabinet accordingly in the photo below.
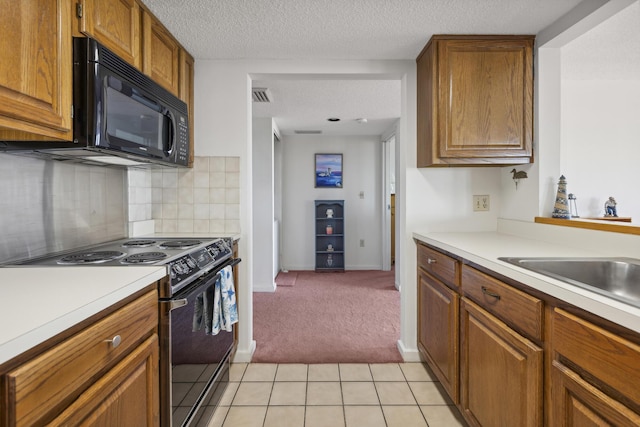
(187, 65)
(115, 24)
(35, 77)
(160, 54)
(475, 101)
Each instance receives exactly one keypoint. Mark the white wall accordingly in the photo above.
(601, 144)
(361, 158)
(536, 195)
(223, 128)
(263, 201)
(277, 201)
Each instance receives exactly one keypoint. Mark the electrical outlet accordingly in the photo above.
(481, 203)
(362, 243)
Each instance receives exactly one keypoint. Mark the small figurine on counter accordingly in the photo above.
(610, 207)
(561, 206)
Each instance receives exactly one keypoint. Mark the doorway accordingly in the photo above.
(368, 161)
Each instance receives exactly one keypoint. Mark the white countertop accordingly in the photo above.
(40, 302)
(484, 249)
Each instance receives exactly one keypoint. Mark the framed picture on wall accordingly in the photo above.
(328, 171)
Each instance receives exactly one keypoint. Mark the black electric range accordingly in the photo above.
(186, 259)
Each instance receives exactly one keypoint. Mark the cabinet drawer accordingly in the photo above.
(604, 355)
(520, 310)
(439, 264)
(52, 380)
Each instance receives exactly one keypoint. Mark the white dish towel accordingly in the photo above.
(225, 309)
(216, 307)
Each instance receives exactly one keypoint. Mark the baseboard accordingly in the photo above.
(245, 356)
(267, 287)
(347, 267)
(363, 267)
(408, 354)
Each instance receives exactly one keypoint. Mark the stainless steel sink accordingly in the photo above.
(617, 278)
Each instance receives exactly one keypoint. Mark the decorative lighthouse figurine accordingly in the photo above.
(561, 207)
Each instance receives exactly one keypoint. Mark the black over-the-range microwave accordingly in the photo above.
(120, 115)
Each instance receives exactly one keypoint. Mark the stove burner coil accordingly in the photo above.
(138, 243)
(179, 244)
(144, 258)
(90, 257)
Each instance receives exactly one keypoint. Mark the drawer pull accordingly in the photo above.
(115, 341)
(489, 293)
(431, 261)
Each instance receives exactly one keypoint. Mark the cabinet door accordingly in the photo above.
(485, 98)
(126, 396)
(36, 71)
(186, 94)
(593, 371)
(161, 54)
(501, 372)
(475, 101)
(115, 24)
(438, 330)
(579, 404)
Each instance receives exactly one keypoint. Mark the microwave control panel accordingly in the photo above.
(182, 141)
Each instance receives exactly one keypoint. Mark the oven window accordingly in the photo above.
(133, 121)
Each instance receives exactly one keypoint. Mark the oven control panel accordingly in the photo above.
(182, 268)
(199, 260)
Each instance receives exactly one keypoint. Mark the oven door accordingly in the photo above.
(194, 362)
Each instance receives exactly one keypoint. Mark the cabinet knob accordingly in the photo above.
(115, 341)
(431, 261)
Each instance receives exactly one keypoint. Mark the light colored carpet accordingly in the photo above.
(350, 317)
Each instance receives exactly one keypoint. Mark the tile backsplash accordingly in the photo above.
(204, 199)
(49, 206)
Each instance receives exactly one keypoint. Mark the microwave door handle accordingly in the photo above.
(172, 134)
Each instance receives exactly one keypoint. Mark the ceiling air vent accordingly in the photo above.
(261, 94)
(307, 132)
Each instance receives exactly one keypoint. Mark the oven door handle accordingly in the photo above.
(177, 303)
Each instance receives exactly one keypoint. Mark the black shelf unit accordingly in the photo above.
(329, 247)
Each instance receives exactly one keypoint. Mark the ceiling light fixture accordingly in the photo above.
(361, 120)
(307, 132)
(333, 119)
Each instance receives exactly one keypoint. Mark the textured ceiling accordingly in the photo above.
(342, 29)
(339, 29)
(306, 105)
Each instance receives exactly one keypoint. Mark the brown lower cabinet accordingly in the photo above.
(594, 376)
(438, 330)
(501, 372)
(90, 377)
(509, 355)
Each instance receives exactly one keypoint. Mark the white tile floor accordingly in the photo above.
(334, 395)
